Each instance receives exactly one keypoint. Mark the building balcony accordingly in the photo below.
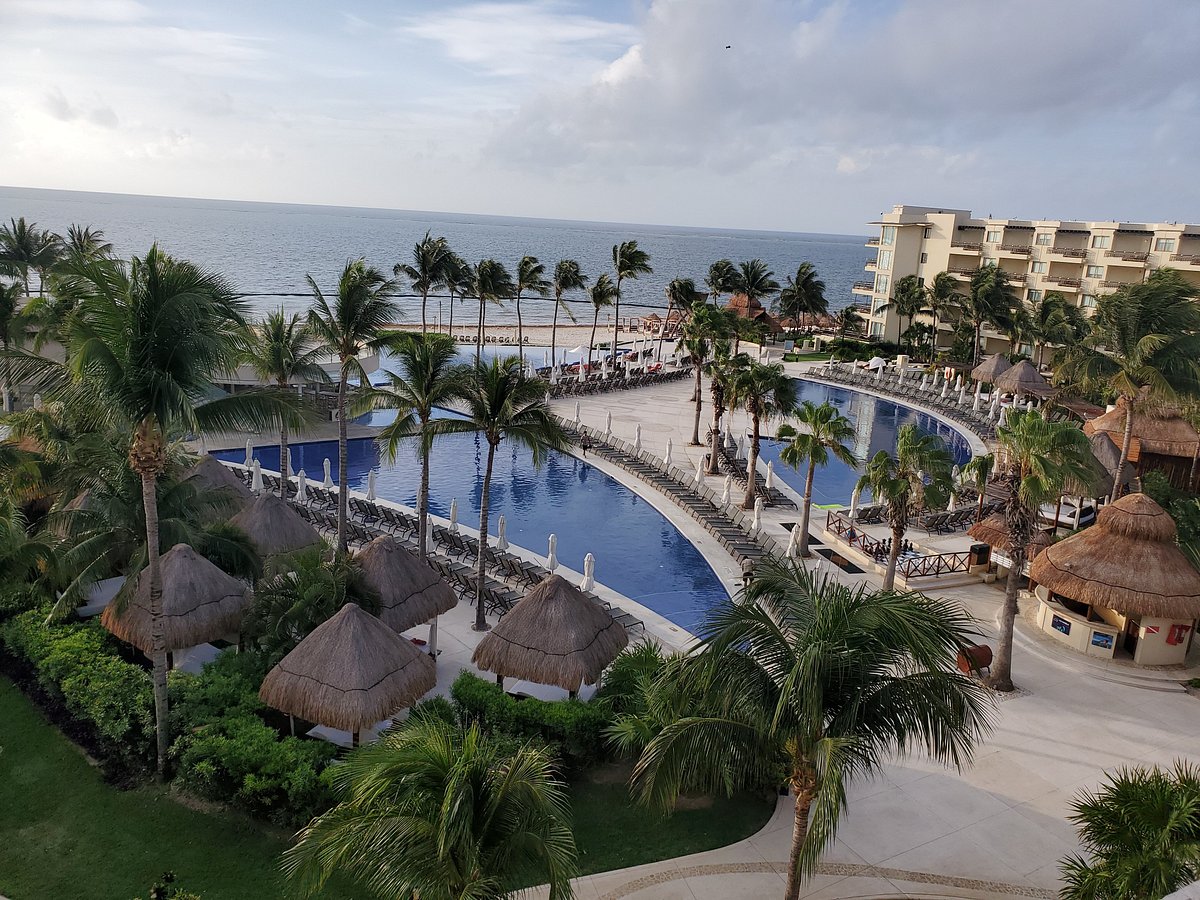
(1190, 258)
(1064, 280)
(873, 242)
(1134, 256)
(1023, 250)
(1016, 277)
(966, 246)
(871, 265)
(863, 287)
(1110, 283)
(1074, 252)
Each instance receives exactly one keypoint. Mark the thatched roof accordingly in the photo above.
(1128, 562)
(1161, 431)
(410, 591)
(1105, 457)
(210, 473)
(274, 527)
(1022, 378)
(990, 368)
(554, 635)
(349, 673)
(994, 531)
(200, 603)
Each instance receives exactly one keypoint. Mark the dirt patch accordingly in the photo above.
(611, 773)
(693, 802)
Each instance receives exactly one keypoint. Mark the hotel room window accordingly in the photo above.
(884, 261)
(889, 235)
(993, 237)
(1039, 268)
(1095, 271)
(881, 284)
(1165, 245)
(1101, 242)
(1045, 239)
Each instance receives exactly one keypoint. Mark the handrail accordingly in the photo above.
(841, 526)
(935, 564)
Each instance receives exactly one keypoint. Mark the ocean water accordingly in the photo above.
(267, 248)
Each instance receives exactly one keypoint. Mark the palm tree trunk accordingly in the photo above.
(979, 506)
(662, 332)
(158, 640)
(7, 386)
(592, 340)
(479, 332)
(424, 300)
(423, 498)
(450, 326)
(1126, 440)
(699, 406)
(554, 332)
(520, 333)
(889, 577)
(978, 329)
(343, 494)
(715, 437)
(617, 320)
(1000, 678)
(807, 511)
(480, 612)
(751, 465)
(283, 462)
(799, 833)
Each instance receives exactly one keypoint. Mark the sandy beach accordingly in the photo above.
(567, 336)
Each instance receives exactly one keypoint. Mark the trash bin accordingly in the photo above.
(981, 554)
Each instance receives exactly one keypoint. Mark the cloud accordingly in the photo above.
(78, 10)
(60, 108)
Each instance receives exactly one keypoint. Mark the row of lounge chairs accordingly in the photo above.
(729, 464)
(570, 387)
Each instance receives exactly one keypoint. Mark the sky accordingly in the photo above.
(794, 116)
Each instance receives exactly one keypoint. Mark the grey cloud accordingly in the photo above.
(59, 107)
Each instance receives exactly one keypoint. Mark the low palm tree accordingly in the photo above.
(803, 294)
(1141, 830)
(427, 270)
(629, 263)
(825, 433)
(489, 283)
(706, 326)
(25, 248)
(282, 351)
(14, 331)
(456, 276)
(1144, 347)
(601, 294)
(1053, 320)
(680, 292)
(722, 279)
(434, 811)
(764, 391)
(344, 329)
(849, 320)
(942, 300)
(988, 301)
(531, 278)
(977, 472)
(502, 402)
(567, 277)
(722, 370)
(908, 299)
(807, 682)
(917, 476)
(1035, 459)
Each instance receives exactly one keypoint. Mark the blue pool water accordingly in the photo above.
(877, 421)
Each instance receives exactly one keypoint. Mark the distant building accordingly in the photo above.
(1080, 260)
(745, 308)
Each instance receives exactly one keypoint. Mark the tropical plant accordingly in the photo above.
(427, 270)
(353, 324)
(942, 300)
(84, 243)
(601, 294)
(502, 402)
(434, 811)
(722, 369)
(706, 326)
(917, 476)
(1053, 320)
(849, 321)
(567, 277)
(755, 281)
(14, 330)
(1144, 347)
(722, 279)
(908, 299)
(977, 472)
(803, 294)
(764, 391)
(824, 435)
(680, 293)
(989, 298)
(1141, 830)
(628, 263)
(489, 283)
(531, 278)
(457, 278)
(810, 683)
(282, 351)
(1035, 458)
(25, 248)
(25, 559)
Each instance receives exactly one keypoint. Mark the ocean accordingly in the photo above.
(267, 249)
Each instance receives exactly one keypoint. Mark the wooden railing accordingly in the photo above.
(936, 564)
(840, 525)
(1077, 252)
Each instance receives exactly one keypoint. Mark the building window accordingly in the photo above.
(1035, 296)
(884, 261)
(877, 307)
(1101, 242)
(924, 257)
(1044, 240)
(1095, 271)
(928, 233)
(984, 263)
(881, 284)
(1087, 301)
(993, 237)
(889, 235)
(1165, 245)
(876, 329)
(1039, 268)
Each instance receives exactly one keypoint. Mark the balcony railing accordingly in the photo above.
(1016, 277)
(1065, 280)
(966, 245)
(871, 264)
(1129, 255)
(864, 286)
(1193, 258)
(1076, 252)
(873, 242)
(958, 270)
(1024, 250)
(1109, 283)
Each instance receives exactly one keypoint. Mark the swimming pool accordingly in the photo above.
(876, 421)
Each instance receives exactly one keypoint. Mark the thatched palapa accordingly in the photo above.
(211, 474)
(200, 603)
(410, 591)
(554, 635)
(991, 368)
(274, 527)
(349, 673)
(993, 531)
(1161, 431)
(1105, 457)
(1127, 562)
(1022, 378)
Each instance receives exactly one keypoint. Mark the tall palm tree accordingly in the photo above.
(601, 294)
(14, 330)
(917, 476)
(628, 263)
(489, 283)
(942, 299)
(803, 294)
(908, 299)
(825, 434)
(706, 326)
(24, 248)
(764, 391)
(1141, 830)
(352, 325)
(1053, 320)
(282, 350)
(813, 683)
(722, 279)
(86, 243)
(438, 812)
(1144, 347)
(1035, 458)
(427, 270)
(756, 281)
(567, 277)
(502, 402)
(456, 276)
(722, 370)
(988, 300)
(531, 278)
(680, 292)
(977, 472)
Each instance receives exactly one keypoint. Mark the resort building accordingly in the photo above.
(1080, 260)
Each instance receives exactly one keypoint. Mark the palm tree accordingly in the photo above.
(988, 300)
(530, 277)
(86, 243)
(457, 280)
(567, 277)
(942, 299)
(680, 292)
(755, 282)
(1142, 832)
(282, 351)
(908, 299)
(24, 247)
(977, 472)
(722, 279)
(489, 283)
(1035, 458)
(502, 402)
(602, 293)
(721, 372)
(628, 262)
(362, 308)
(706, 325)
(849, 319)
(826, 433)
(803, 294)
(1144, 347)
(764, 391)
(917, 476)
(434, 811)
(1053, 320)
(14, 329)
(812, 683)
(427, 270)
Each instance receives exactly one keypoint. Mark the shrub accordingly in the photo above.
(17, 598)
(438, 708)
(228, 686)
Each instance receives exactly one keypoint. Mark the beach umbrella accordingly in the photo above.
(741, 446)
(249, 452)
(991, 369)
(203, 445)
(793, 545)
(878, 375)
(637, 437)
(667, 456)
(410, 591)
(924, 382)
(454, 516)
(577, 414)
(854, 498)
(756, 521)
(876, 362)
(952, 503)
(992, 412)
(502, 533)
(962, 394)
(1029, 405)
(274, 527)
(730, 443)
(429, 531)
(256, 482)
(552, 553)
(770, 475)
(1003, 416)
(958, 381)
(978, 388)
(726, 490)
(1022, 378)
(554, 374)
(608, 423)
(700, 471)
(371, 485)
(604, 367)
(589, 573)
(328, 474)
(37, 404)
(945, 389)
(301, 487)
(975, 403)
